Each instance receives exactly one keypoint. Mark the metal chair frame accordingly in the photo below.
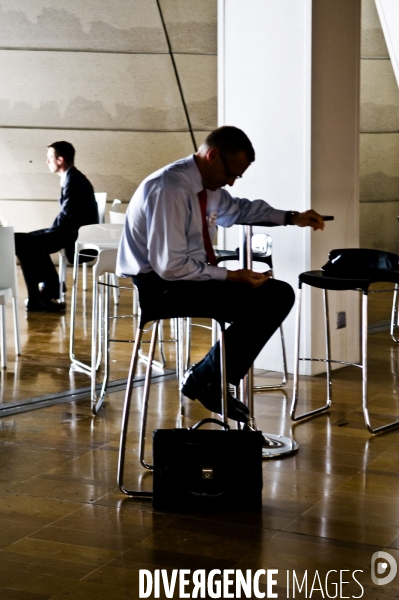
(146, 390)
(318, 280)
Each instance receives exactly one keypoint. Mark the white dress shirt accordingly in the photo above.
(163, 228)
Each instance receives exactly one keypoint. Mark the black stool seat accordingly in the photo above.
(348, 281)
(346, 269)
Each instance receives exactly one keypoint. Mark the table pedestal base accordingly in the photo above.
(276, 446)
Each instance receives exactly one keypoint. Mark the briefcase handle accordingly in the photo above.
(205, 421)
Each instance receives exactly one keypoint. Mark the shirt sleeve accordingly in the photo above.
(233, 211)
(174, 236)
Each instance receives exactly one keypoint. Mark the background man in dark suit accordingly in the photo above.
(78, 207)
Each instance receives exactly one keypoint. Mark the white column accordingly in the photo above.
(288, 76)
(388, 11)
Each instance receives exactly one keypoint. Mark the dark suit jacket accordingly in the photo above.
(78, 207)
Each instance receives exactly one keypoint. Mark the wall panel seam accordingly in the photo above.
(378, 201)
(127, 52)
(55, 128)
(381, 132)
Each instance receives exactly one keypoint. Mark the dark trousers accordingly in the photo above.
(33, 250)
(254, 313)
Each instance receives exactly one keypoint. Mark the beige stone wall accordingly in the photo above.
(98, 74)
(379, 139)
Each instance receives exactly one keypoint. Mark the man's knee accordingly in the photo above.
(278, 295)
(22, 243)
(286, 293)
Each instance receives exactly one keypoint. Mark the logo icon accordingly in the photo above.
(383, 563)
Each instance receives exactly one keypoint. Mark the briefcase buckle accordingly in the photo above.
(207, 473)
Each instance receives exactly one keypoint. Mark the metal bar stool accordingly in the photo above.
(144, 319)
(347, 269)
(102, 273)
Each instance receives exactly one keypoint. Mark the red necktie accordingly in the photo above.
(205, 230)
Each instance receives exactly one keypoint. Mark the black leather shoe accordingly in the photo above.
(45, 306)
(47, 293)
(210, 396)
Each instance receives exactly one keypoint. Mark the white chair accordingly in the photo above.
(8, 289)
(103, 273)
(100, 237)
(117, 205)
(101, 199)
(117, 217)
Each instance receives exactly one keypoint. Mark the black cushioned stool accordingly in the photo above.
(347, 269)
(144, 319)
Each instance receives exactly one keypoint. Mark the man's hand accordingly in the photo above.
(248, 277)
(309, 218)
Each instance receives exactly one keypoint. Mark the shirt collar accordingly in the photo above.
(63, 177)
(195, 175)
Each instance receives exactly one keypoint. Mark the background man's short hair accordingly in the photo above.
(230, 140)
(64, 149)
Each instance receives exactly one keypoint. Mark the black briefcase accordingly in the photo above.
(207, 469)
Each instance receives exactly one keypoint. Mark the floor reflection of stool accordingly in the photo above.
(363, 268)
(144, 319)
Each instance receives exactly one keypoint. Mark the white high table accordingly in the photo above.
(275, 445)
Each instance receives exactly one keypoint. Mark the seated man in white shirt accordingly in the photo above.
(166, 248)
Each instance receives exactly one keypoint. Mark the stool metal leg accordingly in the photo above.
(73, 315)
(223, 379)
(274, 445)
(3, 363)
(388, 426)
(94, 334)
(394, 315)
(188, 343)
(156, 363)
(16, 327)
(85, 287)
(125, 422)
(277, 386)
(146, 393)
(103, 330)
(327, 360)
(72, 356)
(180, 360)
(328, 347)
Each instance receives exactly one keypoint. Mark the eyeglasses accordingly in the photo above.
(229, 173)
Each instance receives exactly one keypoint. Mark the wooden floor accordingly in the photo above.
(66, 532)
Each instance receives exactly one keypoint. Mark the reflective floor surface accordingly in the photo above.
(67, 531)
